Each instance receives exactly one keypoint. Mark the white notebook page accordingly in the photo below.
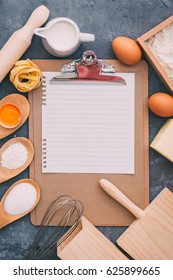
(88, 126)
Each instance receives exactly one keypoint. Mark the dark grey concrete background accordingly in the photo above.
(106, 19)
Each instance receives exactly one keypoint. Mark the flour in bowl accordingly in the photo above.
(14, 156)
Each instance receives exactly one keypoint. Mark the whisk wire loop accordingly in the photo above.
(64, 211)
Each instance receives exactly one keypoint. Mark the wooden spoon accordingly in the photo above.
(5, 173)
(6, 218)
(22, 103)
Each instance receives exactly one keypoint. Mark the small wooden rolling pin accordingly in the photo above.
(21, 40)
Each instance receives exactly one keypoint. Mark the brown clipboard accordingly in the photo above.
(99, 208)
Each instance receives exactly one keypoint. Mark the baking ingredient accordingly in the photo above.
(20, 199)
(9, 115)
(161, 104)
(61, 35)
(162, 143)
(14, 156)
(161, 45)
(126, 50)
(25, 75)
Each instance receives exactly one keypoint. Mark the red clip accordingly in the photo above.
(91, 69)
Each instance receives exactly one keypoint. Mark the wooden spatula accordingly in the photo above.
(151, 235)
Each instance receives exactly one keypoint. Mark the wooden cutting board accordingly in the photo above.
(150, 237)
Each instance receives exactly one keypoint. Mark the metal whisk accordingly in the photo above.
(64, 211)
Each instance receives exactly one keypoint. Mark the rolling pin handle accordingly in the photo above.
(121, 198)
(37, 18)
(20, 41)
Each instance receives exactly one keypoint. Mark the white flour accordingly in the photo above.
(14, 156)
(20, 199)
(161, 45)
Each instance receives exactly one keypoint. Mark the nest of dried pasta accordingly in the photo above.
(25, 75)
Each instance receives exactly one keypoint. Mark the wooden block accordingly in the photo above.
(163, 143)
(88, 243)
(154, 62)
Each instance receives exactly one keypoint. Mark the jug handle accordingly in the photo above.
(87, 37)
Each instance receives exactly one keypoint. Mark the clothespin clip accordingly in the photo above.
(88, 67)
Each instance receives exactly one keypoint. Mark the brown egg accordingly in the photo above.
(161, 104)
(126, 50)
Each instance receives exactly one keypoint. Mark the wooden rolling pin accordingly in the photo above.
(21, 40)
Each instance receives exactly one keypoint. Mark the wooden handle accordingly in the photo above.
(121, 198)
(37, 19)
(3, 221)
(20, 41)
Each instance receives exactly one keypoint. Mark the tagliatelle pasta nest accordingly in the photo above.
(25, 75)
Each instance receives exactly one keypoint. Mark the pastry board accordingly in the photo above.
(98, 208)
(151, 237)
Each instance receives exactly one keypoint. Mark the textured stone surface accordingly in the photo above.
(106, 19)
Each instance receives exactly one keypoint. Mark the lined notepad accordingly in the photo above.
(88, 126)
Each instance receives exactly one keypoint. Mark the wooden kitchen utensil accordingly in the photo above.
(22, 103)
(6, 218)
(5, 173)
(86, 242)
(21, 40)
(151, 235)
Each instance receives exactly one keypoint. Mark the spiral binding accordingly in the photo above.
(44, 91)
(44, 156)
(44, 141)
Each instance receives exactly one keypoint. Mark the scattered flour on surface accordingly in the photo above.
(14, 156)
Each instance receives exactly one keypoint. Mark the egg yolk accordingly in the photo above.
(9, 115)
